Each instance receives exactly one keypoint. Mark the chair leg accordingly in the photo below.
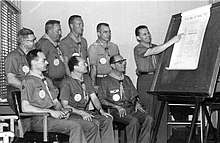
(116, 136)
(21, 132)
(45, 128)
(6, 136)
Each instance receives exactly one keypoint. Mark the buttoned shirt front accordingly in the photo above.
(16, 63)
(109, 90)
(56, 68)
(72, 91)
(100, 55)
(34, 90)
(69, 47)
(144, 63)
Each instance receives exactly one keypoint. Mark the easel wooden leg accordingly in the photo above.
(154, 138)
(210, 123)
(195, 117)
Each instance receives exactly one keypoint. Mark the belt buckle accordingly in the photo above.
(101, 75)
(150, 72)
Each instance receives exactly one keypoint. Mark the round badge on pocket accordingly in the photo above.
(56, 62)
(77, 97)
(116, 97)
(42, 94)
(103, 61)
(25, 69)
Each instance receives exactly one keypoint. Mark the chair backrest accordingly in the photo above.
(16, 97)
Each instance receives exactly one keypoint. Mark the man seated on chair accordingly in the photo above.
(38, 95)
(78, 93)
(117, 91)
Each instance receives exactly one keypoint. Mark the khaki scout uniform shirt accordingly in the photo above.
(100, 55)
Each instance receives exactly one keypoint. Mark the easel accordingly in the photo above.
(199, 102)
(198, 84)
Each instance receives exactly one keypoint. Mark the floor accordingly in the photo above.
(180, 135)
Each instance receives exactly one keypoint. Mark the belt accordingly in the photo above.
(152, 72)
(101, 75)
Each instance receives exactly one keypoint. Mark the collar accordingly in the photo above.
(101, 43)
(74, 38)
(37, 76)
(74, 76)
(21, 51)
(45, 36)
(147, 46)
(115, 76)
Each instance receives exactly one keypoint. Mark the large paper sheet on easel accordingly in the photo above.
(186, 52)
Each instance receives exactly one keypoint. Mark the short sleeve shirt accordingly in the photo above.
(16, 63)
(56, 68)
(109, 90)
(69, 47)
(34, 91)
(100, 56)
(143, 63)
(71, 90)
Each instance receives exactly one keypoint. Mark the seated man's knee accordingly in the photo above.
(149, 118)
(134, 121)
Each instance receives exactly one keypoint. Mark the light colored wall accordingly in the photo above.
(123, 17)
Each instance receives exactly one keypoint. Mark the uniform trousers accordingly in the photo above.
(138, 125)
(69, 127)
(152, 104)
(100, 124)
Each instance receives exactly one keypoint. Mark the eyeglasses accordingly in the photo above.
(121, 61)
(33, 40)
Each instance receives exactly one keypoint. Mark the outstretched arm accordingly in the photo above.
(160, 48)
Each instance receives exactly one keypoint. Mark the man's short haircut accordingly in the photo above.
(137, 30)
(100, 25)
(31, 55)
(73, 61)
(50, 23)
(23, 34)
(72, 18)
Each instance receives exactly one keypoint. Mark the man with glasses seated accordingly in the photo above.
(117, 91)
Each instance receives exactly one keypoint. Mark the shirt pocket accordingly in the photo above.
(40, 97)
(114, 94)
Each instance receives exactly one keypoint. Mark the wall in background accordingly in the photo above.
(123, 17)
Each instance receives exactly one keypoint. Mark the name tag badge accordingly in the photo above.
(56, 62)
(42, 94)
(103, 61)
(25, 69)
(77, 97)
(114, 91)
(116, 97)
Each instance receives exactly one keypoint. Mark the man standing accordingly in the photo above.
(16, 66)
(100, 53)
(48, 43)
(117, 90)
(74, 43)
(146, 56)
(78, 93)
(38, 95)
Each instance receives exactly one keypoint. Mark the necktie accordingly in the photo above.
(79, 48)
(91, 107)
(45, 82)
(60, 53)
(121, 88)
(154, 61)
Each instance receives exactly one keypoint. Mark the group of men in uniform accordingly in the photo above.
(54, 76)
